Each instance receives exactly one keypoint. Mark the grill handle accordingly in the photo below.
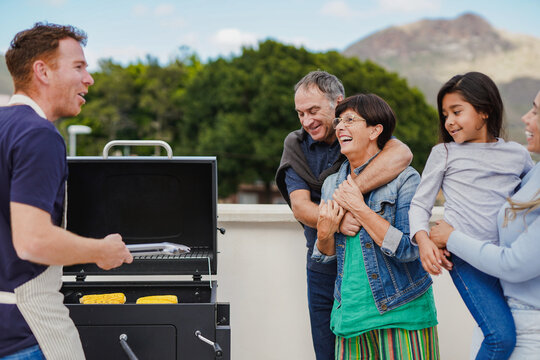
(161, 143)
(215, 345)
(123, 342)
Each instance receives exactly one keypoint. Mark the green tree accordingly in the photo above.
(241, 108)
(139, 101)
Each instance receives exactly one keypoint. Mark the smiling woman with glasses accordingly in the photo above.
(347, 120)
(383, 301)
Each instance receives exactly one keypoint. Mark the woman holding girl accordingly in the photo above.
(477, 171)
(516, 262)
(383, 300)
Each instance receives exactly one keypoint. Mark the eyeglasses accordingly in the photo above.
(347, 120)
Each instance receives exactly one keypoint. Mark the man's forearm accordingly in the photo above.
(66, 248)
(393, 159)
(36, 239)
(307, 213)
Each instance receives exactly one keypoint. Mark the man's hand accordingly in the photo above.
(349, 225)
(429, 253)
(440, 233)
(114, 252)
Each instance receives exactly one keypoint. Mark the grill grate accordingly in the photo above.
(193, 254)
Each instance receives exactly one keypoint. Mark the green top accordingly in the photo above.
(358, 314)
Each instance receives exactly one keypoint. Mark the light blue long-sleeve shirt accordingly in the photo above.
(517, 260)
(476, 179)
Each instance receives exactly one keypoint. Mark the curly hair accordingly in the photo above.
(39, 42)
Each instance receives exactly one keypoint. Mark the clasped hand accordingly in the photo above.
(330, 214)
(348, 195)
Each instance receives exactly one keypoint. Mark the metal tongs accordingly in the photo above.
(164, 248)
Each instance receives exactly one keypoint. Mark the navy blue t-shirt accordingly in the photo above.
(320, 156)
(33, 171)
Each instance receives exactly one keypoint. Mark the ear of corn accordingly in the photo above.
(114, 298)
(158, 299)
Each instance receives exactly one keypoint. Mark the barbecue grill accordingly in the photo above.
(156, 204)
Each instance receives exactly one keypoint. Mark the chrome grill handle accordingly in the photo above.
(215, 345)
(161, 143)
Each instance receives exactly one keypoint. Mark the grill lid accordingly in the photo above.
(147, 200)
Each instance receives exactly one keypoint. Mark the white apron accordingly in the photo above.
(42, 305)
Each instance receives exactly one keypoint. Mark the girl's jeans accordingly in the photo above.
(484, 298)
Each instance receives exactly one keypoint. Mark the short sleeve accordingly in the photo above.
(39, 169)
(293, 181)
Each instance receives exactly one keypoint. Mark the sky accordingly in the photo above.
(128, 30)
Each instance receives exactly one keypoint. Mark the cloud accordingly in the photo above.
(140, 10)
(338, 8)
(159, 10)
(231, 40)
(164, 14)
(174, 23)
(342, 10)
(409, 5)
(163, 10)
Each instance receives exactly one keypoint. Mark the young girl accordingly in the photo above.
(476, 171)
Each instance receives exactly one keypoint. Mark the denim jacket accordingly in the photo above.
(394, 271)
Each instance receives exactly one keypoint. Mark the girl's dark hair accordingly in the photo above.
(374, 110)
(481, 92)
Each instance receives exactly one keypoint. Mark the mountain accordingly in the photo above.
(430, 51)
(6, 85)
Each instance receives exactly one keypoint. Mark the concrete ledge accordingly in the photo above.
(274, 213)
(254, 213)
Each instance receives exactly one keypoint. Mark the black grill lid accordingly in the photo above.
(146, 200)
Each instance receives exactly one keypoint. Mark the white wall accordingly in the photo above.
(261, 272)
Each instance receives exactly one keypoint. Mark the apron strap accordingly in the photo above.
(7, 297)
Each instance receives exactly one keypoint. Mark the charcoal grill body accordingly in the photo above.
(148, 200)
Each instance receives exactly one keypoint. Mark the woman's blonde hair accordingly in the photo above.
(527, 206)
(515, 207)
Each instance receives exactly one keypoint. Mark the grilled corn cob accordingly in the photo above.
(114, 298)
(158, 299)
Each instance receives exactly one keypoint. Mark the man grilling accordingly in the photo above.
(48, 67)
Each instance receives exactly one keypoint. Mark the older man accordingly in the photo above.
(48, 67)
(310, 154)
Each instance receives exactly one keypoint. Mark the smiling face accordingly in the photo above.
(532, 126)
(316, 113)
(68, 80)
(463, 122)
(358, 141)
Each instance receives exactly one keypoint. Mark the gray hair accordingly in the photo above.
(327, 83)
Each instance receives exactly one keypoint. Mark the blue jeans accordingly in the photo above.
(30, 353)
(484, 298)
(320, 301)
